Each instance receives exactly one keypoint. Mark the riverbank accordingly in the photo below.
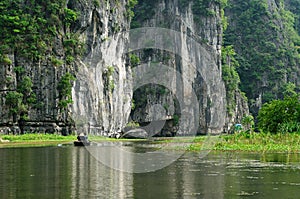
(34, 140)
(256, 142)
(39, 140)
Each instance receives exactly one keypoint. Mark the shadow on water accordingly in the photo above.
(72, 172)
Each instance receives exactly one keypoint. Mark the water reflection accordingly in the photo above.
(72, 172)
(34, 173)
(92, 179)
(133, 157)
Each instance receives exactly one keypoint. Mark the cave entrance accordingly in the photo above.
(156, 110)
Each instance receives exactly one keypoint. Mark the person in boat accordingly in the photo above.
(82, 137)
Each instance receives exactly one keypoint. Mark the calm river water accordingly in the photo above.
(72, 172)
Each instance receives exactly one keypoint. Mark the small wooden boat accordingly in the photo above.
(81, 143)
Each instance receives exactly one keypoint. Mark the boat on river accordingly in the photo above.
(81, 143)
(82, 140)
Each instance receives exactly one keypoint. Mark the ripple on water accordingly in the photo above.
(212, 174)
(252, 177)
(191, 194)
(195, 170)
(244, 193)
(294, 184)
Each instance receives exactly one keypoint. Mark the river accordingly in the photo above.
(73, 172)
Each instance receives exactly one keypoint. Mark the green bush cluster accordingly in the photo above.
(133, 124)
(28, 28)
(129, 8)
(134, 60)
(22, 99)
(280, 116)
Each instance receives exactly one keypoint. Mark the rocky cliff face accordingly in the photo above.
(102, 92)
(198, 35)
(104, 87)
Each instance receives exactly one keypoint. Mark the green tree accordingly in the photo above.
(275, 115)
(14, 99)
(289, 89)
(248, 122)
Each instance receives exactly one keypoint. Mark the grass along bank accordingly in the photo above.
(41, 139)
(34, 139)
(261, 142)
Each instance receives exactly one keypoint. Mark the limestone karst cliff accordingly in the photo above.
(78, 73)
(198, 33)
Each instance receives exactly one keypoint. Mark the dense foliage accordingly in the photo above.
(294, 7)
(22, 99)
(230, 76)
(28, 29)
(31, 33)
(280, 116)
(267, 47)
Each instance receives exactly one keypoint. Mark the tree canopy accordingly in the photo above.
(280, 116)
